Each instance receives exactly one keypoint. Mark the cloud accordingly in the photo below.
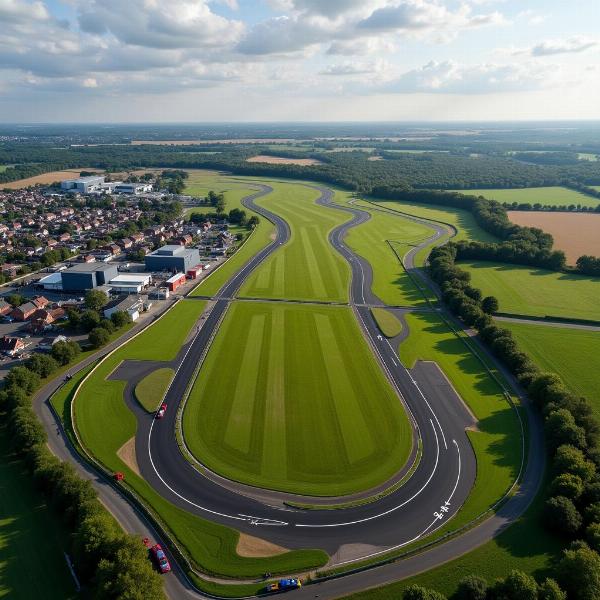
(568, 46)
(17, 11)
(354, 68)
(154, 24)
(449, 77)
(362, 46)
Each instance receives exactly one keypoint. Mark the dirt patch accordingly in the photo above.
(374, 158)
(575, 234)
(279, 160)
(43, 179)
(253, 547)
(127, 454)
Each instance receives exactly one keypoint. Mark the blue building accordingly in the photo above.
(88, 276)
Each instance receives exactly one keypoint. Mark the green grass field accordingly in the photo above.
(536, 292)
(546, 196)
(572, 353)
(151, 390)
(391, 284)
(387, 322)
(497, 440)
(461, 219)
(302, 414)
(307, 267)
(32, 564)
(105, 423)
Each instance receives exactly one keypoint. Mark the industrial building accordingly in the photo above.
(87, 276)
(132, 306)
(89, 185)
(133, 188)
(130, 283)
(172, 258)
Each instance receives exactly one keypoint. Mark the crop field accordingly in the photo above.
(32, 564)
(536, 292)
(105, 424)
(44, 179)
(572, 353)
(279, 160)
(306, 267)
(496, 441)
(301, 413)
(390, 281)
(546, 196)
(574, 233)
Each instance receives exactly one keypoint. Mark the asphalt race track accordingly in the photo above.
(434, 493)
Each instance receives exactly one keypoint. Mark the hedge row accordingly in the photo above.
(572, 508)
(109, 563)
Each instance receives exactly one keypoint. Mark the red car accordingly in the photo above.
(160, 558)
(160, 413)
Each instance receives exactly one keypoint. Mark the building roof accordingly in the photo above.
(123, 303)
(169, 250)
(130, 278)
(52, 279)
(175, 277)
(89, 268)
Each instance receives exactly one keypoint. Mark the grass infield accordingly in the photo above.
(306, 267)
(572, 353)
(303, 414)
(536, 292)
(151, 390)
(388, 323)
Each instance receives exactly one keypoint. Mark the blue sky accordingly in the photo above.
(243, 60)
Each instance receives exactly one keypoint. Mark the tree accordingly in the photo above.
(98, 337)
(416, 592)
(490, 305)
(95, 299)
(578, 572)
(569, 459)
(561, 428)
(561, 515)
(22, 378)
(220, 204)
(472, 587)
(516, 586)
(65, 352)
(567, 485)
(89, 319)
(42, 364)
(16, 299)
(550, 590)
(120, 318)
(253, 221)
(592, 535)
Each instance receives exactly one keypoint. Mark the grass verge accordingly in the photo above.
(387, 322)
(151, 390)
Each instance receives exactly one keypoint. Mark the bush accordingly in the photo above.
(98, 337)
(490, 305)
(550, 590)
(416, 592)
(578, 572)
(516, 586)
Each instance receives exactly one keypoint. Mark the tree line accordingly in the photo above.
(572, 506)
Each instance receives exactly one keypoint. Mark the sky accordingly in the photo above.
(298, 60)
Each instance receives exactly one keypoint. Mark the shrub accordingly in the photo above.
(416, 592)
(98, 337)
(472, 587)
(561, 515)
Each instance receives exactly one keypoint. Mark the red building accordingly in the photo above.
(174, 282)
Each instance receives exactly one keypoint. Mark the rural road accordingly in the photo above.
(434, 493)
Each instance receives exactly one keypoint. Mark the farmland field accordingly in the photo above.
(574, 233)
(31, 544)
(572, 353)
(279, 160)
(390, 281)
(536, 292)
(105, 424)
(550, 196)
(302, 414)
(44, 179)
(306, 267)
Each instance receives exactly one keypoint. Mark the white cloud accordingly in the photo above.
(450, 77)
(16, 11)
(356, 68)
(570, 45)
(362, 46)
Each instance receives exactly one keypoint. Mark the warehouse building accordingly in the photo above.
(133, 188)
(130, 283)
(87, 276)
(172, 258)
(132, 306)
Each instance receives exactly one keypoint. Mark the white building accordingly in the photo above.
(132, 306)
(130, 283)
(89, 185)
(133, 188)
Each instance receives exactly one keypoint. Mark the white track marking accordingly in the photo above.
(395, 508)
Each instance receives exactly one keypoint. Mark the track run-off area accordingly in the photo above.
(286, 394)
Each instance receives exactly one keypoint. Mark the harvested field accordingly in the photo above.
(278, 160)
(44, 179)
(574, 233)
(199, 142)
(253, 547)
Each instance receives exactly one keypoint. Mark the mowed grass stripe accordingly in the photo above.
(318, 396)
(237, 435)
(274, 455)
(347, 409)
(306, 267)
